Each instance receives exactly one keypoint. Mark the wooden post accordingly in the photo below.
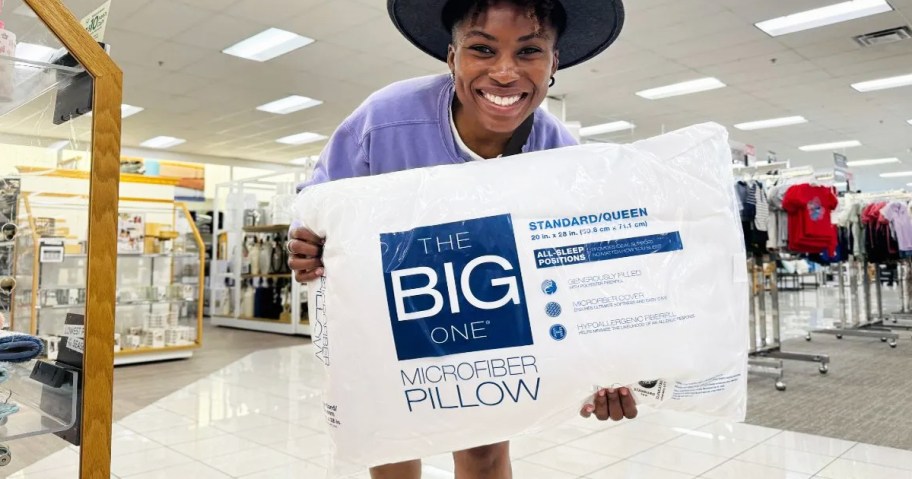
(104, 181)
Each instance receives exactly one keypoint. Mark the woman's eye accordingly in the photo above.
(529, 51)
(482, 49)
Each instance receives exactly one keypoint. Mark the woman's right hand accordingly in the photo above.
(305, 254)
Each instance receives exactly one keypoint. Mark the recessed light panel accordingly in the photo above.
(872, 162)
(831, 146)
(606, 128)
(684, 88)
(301, 138)
(268, 44)
(289, 104)
(162, 142)
(819, 17)
(771, 123)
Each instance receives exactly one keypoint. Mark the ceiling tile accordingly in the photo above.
(164, 19)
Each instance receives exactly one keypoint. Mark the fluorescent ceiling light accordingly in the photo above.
(878, 161)
(685, 88)
(831, 146)
(896, 174)
(126, 110)
(268, 44)
(606, 128)
(289, 104)
(772, 123)
(883, 83)
(909, 122)
(34, 52)
(819, 17)
(301, 138)
(162, 142)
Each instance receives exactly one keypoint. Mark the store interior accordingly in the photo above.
(214, 373)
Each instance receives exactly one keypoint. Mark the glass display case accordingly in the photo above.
(53, 73)
(159, 258)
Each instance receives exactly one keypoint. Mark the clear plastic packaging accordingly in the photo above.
(464, 305)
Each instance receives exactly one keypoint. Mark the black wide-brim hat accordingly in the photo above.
(592, 26)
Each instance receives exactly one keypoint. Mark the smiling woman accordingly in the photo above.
(501, 60)
(502, 56)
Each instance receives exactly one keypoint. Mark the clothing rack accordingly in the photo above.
(902, 319)
(749, 171)
(873, 326)
(765, 357)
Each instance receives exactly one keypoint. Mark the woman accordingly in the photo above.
(502, 55)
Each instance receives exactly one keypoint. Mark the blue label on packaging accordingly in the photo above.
(607, 250)
(455, 288)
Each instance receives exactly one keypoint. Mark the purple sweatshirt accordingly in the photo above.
(407, 125)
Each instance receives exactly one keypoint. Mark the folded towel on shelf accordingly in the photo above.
(4, 373)
(18, 347)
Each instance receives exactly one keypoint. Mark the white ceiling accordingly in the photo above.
(170, 51)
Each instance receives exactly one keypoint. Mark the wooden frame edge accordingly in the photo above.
(104, 178)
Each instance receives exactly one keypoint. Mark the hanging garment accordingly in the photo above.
(880, 246)
(810, 227)
(897, 213)
(748, 209)
(761, 219)
(857, 229)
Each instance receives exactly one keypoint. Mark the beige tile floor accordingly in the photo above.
(259, 418)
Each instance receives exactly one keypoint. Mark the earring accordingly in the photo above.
(551, 84)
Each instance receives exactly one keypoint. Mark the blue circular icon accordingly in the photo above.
(558, 332)
(553, 309)
(549, 287)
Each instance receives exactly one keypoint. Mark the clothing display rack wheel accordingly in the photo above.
(902, 319)
(874, 326)
(767, 357)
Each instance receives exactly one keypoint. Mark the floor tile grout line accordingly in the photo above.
(824, 467)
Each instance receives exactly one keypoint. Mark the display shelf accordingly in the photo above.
(126, 303)
(146, 261)
(248, 270)
(44, 105)
(42, 409)
(256, 324)
(148, 355)
(132, 255)
(265, 320)
(267, 229)
(265, 276)
(33, 79)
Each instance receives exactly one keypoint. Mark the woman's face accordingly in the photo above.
(502, 63)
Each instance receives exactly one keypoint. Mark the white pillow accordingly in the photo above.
(464, 305)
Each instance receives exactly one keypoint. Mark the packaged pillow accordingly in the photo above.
(467, 304)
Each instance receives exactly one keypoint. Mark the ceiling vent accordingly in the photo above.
(884, 37)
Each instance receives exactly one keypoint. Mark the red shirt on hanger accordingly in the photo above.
(810, 227)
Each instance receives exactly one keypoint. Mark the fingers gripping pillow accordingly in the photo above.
(466, 304)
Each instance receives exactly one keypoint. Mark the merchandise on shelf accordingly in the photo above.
(159, 286)
(251, 285)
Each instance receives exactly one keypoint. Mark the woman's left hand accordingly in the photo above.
(614, 404)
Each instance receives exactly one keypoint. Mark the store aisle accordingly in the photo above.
(259, 418)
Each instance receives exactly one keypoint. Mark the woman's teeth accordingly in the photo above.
(501, 100)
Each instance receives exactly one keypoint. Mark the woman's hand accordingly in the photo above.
(614, 404)
(305, 254)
